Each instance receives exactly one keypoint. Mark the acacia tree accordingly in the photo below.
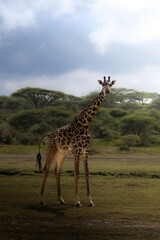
(38, 97)
(156, 103)
(118, 96)
(11, 104)
(142, 97)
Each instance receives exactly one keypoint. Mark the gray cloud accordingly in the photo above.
(46, 44)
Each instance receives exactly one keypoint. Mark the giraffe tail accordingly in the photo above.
(39, 154)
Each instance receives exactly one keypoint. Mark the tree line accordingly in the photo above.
(127, 116)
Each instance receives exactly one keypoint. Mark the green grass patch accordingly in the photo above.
(120, 174)
(21, 149)
(125, 208)
(98, 147)
(125, 188)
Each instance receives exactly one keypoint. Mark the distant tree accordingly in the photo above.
(104, 125)
(57, 116)
(3, 99)
(130, 106)
(139, 125)
(85, 100)
(71, 98)
(70, 102)
(24, 119)
(117, 97)
(118, 113)
(11, 104)
(128, 141)
(5, 133)
(155, 113)
(156, 103)
(28, 125)
(38, 97)
(142, 97)
(31, 112)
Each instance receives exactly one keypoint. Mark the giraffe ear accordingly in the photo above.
(100, 82)
(113, 82)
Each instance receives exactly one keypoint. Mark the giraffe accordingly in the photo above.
(73, 138)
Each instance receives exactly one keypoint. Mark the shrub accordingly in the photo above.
(5, 133)
(128, 141)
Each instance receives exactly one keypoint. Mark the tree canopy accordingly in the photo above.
(127, 115)
(38, 97)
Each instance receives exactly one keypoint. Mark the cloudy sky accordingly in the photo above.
(67, 45)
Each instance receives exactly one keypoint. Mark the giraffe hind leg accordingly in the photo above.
(60, 159)
(49, 158)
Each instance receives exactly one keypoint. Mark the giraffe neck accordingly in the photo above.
(87, 115)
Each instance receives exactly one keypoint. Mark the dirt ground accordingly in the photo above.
(32, 228)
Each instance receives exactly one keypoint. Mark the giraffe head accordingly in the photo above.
(107, 84)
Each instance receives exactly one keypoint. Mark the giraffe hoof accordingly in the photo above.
(91, 204)
(78, 205)
(60, 199)
(43, 203)
(62, 203)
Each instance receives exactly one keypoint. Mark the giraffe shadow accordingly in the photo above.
(56, 209)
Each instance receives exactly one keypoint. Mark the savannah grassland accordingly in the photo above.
(125, 188)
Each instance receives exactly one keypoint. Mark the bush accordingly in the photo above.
(118, 113)
(26, 138)
(138, 124)
(25, 119)
(5, 133)
(128, 141)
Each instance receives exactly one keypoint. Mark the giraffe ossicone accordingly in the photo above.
(73, 138)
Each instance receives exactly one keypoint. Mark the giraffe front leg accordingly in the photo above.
(85, 161)
(76, 174)
(57, 175)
